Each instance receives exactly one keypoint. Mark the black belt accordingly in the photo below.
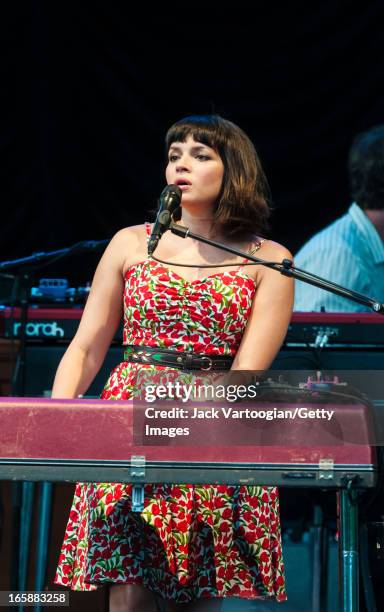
(174, 359)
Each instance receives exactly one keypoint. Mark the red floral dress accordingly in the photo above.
(190, 541)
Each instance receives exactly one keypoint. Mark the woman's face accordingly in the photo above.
(197, 170)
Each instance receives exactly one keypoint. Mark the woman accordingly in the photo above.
(192, 545)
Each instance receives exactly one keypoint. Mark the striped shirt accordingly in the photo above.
(349, 252)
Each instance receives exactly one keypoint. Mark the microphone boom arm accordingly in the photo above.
(287, 269)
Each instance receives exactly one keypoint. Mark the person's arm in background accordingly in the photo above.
(338, 264)
(102, 314)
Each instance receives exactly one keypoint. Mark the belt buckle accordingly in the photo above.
(209, 365)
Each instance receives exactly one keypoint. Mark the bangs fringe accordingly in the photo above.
(206, 130)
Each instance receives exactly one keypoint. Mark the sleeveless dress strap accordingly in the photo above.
(148, 230)
(255, 246)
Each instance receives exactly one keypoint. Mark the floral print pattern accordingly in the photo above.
(190, 541)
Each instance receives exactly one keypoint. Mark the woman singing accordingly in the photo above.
(193, 544)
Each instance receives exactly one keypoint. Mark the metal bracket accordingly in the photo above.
(137, 466)
(137, 473)
(326, 467)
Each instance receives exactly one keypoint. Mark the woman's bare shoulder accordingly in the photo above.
(130, 244)
(127, 247)
(132, 238)
(269, 249)
(134, 234)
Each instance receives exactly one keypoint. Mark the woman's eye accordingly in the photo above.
(202, 157)
(172, 158)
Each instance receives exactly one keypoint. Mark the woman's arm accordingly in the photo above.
(102, 314)
(270, 315)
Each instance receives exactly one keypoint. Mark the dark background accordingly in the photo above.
(88, 91)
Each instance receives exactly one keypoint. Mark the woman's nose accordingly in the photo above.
(182, 164)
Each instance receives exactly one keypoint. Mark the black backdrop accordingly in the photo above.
(89, 90)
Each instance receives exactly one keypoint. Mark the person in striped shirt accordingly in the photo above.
(350, 251)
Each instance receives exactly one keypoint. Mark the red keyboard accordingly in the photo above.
(97, 441)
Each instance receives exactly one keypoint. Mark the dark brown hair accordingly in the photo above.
(242, 208)
(366, 168)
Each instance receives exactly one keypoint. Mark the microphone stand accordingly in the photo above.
(23, 493)
(51, 256)
(287, 269)
(347, 496)
(26, 265)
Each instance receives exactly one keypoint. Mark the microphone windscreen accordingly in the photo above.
(170, 197)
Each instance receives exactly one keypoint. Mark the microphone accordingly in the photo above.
(169, 200)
